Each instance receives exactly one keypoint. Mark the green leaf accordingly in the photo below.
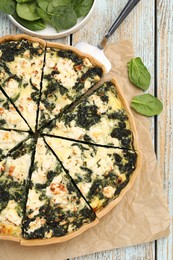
(23, 1)
(28, 11)
(64, 17)
(82, 7)
(138, 73)
(8, 7)
(33, 26)
(147, 105)
(43, 15)
(53, 4)
(43, 4)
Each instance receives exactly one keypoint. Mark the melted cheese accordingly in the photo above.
(88, 166)
(9, 139)
(34, 201)
(101, 131)
(10, 116)
(10, 214)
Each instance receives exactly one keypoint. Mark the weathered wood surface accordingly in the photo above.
(149, 26)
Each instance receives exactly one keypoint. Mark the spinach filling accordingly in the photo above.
(57, 221)
(87, 115)
(70, 55)
(11, 190)
(16, 48)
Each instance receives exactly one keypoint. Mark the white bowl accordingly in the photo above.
(49, 32)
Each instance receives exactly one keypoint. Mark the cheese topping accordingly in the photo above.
(10, 214)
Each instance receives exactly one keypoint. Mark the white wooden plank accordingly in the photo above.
(139, 28)
(165, 122)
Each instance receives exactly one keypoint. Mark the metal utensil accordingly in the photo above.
(98, 51)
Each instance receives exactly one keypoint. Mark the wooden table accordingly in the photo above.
(150, 27)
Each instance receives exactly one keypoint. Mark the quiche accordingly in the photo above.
(9, 140)
(9, 117)
(99, 178)
(102, 118)
(66, 76)
(14, 176)
(54, 205)
(68, 146)
(23, 72)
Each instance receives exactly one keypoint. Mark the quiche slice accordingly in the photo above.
(9, 140)
(23, 57)
(101, 118)
(67, 75)
(55, 207)
(9, 117)
(14, 172)
(102, 174)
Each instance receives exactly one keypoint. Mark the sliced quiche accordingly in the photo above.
(9, 140)
(54, 207)
(102, 118)
(14, 173)
(9, 117)
(67, 75)
(68, 149)
(24, 61)
(100, 173)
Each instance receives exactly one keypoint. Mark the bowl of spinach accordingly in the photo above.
(48, 19)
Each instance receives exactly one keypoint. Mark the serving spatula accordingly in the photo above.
(98, 51)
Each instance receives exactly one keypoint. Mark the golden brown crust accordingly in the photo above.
(18, 37)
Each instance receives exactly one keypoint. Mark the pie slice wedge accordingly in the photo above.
(102, 118)
(14, 173)
(55, 208)
(9, 140)
(23, 57)
(68, 74)
(9, 117)
(103, 175)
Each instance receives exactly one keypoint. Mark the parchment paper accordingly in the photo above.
(141, 216)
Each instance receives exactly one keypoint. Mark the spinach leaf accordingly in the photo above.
(28, 11)
(55, 3)
(64, 17)
(43, 4)
(147, 105)
(7, 7)
(138, 73)
(82, 7)
(23, 1)
(31, 25)
(43, 15)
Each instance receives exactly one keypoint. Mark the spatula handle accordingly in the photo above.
(124, 13)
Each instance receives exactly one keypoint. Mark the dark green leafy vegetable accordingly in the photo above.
(64, 17)
(61, 14)
(31, 25)
(147, 105)
(23, 1)
(82, 7)
(56, 3)
(7, 7)
(43, 4)
(28, 11)
(43, 15)
(138, 73)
